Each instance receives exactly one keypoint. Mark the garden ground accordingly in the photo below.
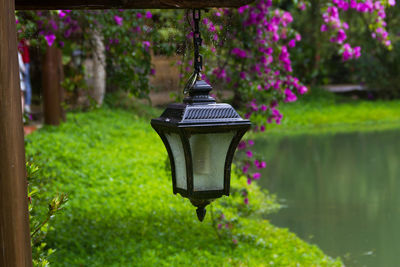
(122, 211)
(324, 112)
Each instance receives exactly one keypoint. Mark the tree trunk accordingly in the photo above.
(52, 90)
(15, 246)
(99, 68)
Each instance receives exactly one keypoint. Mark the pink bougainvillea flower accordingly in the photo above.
(242, 9)
(239, 52)
(246, 201)
(263, 107)
(302, 89)
(219, 73)
(242, 145)
(245, 168)
(250, 142)
(50, 38)
(341, 36)
(256, 175)
(289, 96)
(260, 164)
(148, 15)
(249, 153)
(53, 24)
(146, 44)
(118, 20)
(357, 52)
(61, 14)
(139, 15)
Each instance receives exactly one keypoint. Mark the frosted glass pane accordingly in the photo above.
(179, 159)
(209, 155)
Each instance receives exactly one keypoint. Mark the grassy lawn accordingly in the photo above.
(122, 211)
(322, 112)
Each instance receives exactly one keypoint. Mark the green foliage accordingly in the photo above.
(122, 211)
(126, 36)
(39, 225)
(379, 70)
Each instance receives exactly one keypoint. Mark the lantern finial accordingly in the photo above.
(201, 213)
(201, 207)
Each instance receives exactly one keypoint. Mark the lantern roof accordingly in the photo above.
(200, 109)
(125, 4)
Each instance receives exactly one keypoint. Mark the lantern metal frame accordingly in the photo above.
(200, 114)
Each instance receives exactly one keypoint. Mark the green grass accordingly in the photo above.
(122, 211)
(322, 112)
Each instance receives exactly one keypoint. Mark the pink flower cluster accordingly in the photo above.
(333, 23)
(350, 53)
(48, 30)
(240, 53)
(267, 68)
(118, 20)
(258, 164)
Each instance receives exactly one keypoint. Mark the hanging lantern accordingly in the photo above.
(201, 137)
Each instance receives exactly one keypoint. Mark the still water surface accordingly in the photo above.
(341, 192)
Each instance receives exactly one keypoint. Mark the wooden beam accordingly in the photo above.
(125, 4)
(15, 245)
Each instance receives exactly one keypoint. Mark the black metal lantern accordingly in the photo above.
(201, 137)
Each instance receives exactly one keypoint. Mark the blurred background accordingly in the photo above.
(328, 162)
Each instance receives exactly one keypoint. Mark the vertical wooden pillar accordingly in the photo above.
(15, 246)
(52, 92)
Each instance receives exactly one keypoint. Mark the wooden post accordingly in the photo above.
(52, 91)
(15, 246)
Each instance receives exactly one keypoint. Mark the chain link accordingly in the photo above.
(197, 41)
(198, 59)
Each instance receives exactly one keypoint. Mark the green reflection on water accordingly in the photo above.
(342, 192)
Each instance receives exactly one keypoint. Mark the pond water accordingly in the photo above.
(340, 192)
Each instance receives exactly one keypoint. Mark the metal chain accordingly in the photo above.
(197, 41)
(198, 59)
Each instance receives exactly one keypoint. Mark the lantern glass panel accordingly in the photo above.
(209, 155)
(175, 143)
